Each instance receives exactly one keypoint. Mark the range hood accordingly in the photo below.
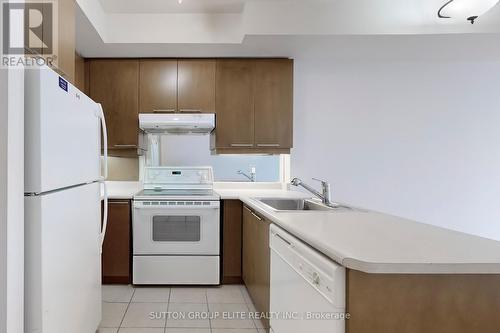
(177, 123)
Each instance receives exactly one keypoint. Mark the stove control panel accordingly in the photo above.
(183, 176)
(176, 204)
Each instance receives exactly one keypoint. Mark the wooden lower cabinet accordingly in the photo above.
(418, 303)
(256, 260)
(232, 241)
(116, 251)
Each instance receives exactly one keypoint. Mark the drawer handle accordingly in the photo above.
(164, 111)
(241, 144)
(125, 146)
(191, 110)
(111, 202)
(268, 145)
(251, 212)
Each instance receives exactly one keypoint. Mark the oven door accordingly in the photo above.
(176, 227)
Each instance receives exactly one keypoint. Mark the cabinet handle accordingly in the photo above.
(111, 202)
(257, 216)
(164, 111)
(241, 144)
(191, 110)
(268, 145)
(125, 146)
(251, 212)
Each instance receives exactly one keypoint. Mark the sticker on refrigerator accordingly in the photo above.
(63, 84)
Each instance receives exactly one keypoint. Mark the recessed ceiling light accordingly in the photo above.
(179, 1)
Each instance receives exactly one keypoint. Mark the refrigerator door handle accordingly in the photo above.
(105, 213)
(105, 139)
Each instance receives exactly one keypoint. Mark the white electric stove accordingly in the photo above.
(176, 228)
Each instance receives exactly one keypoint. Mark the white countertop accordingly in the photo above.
(373, 242)
(364, 240)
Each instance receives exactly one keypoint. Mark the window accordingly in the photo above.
(194, 150)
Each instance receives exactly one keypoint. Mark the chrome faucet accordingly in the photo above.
(251, 177)
(325, 190)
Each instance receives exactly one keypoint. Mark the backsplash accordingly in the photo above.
(123, 168)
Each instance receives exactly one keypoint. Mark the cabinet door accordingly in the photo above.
(115, 84)
(262, 269)
(196, 86)
(158, 86)
(232, 242)
(66, 38)
(116, 247)
(249, 250)
(80, 74)
(256, 259)
(234, 103)
(273, 103)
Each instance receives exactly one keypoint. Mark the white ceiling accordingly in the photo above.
(457, 47)
(173, 6)
(331, 28)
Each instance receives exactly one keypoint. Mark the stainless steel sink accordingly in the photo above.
(299, 205)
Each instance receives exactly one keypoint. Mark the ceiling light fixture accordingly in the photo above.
(180, 2)
(470, 9)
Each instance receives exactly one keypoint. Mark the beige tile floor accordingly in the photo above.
(128, 309)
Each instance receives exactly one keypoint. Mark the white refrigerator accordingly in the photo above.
(63, 226)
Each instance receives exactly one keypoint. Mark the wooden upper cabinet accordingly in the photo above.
(235, 104)
(64, 60)
(66, 38)
(158, 86)
(254, 105)
(115, 84)
(273, 103)
(196, 86)
(252, 98)
(80, 73)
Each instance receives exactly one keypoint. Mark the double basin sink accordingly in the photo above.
(300, 205)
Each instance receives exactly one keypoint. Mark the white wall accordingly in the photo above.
(414, 139)
(11, 200)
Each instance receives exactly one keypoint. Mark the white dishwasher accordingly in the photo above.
(307, 288)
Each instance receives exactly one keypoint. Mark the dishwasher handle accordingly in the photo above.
(283, 239)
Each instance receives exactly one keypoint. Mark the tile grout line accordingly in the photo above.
(168, 309)
(248, 307)
(208, 309)
(128, 305)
